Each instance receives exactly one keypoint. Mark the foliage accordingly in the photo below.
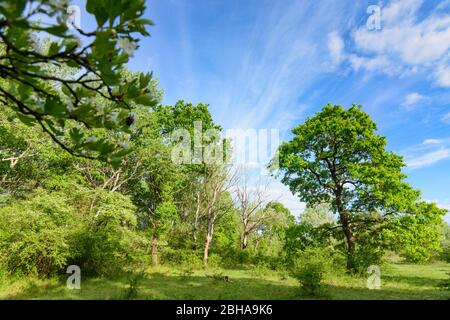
(106, 243)
(445, 243)
(309, 269)
(134, 281)
(337, 157)
(58, 86)
(417, 236)
(302, 236)
(37, 235)
(181, 257)
(47, 232)
(318, 215)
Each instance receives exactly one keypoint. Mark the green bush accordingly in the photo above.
(310, 269)
(238, 258)
(134, 281)
(108, 241)
(445, 244)
(366, 256)
(303, 236)
(182, 257)
(44, 234)
(310, 276)
(260, 270)
(214, 261)
(37, 235)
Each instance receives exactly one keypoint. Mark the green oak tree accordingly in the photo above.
(337, 157)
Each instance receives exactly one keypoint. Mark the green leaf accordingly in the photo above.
(146, 100)
(76, 135)
(97, 9)
(53, 106)
(53, 48)
(26, 119)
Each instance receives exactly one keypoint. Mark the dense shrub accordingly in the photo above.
(310, 269)
(445, 244)
(369, 251)
(237, 258)
(305, 236)
(44, 234)
(108, 241)
(182, 257)
(366, 256)
(37, 235)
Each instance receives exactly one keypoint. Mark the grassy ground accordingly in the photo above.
(399, 281)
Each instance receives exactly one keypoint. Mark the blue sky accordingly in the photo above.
(270, 64)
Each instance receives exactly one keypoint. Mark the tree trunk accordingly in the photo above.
(209, 236)
(194, 237)
(195, 223)
(257, 244)
(194, 232)
(346, 228)
(350, 240)
(206, 251)
(244, 240)
(154, 249)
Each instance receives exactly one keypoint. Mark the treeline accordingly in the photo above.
(58, 209)
(87, 166)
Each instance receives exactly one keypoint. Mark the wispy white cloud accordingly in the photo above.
(446, 117)
(432, 141)
(442, 75)
(335, 47)
(373, 64)
(412, 99)
(429, 152)
(444, 5)
(429, 158)
(406, 44)
(281, 61)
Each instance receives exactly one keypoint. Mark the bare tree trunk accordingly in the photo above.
(206, 251)
(195, 224)
(252, 209)
(257, 244)
(209, 237)
(194, 236)
(154, 249)
(244, 240)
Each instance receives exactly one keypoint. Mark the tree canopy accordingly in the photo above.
(337, 157)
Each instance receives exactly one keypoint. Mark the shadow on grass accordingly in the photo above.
(56, 288)
(347, 293)
(159, 286)
(413, 280)
(202, 287)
